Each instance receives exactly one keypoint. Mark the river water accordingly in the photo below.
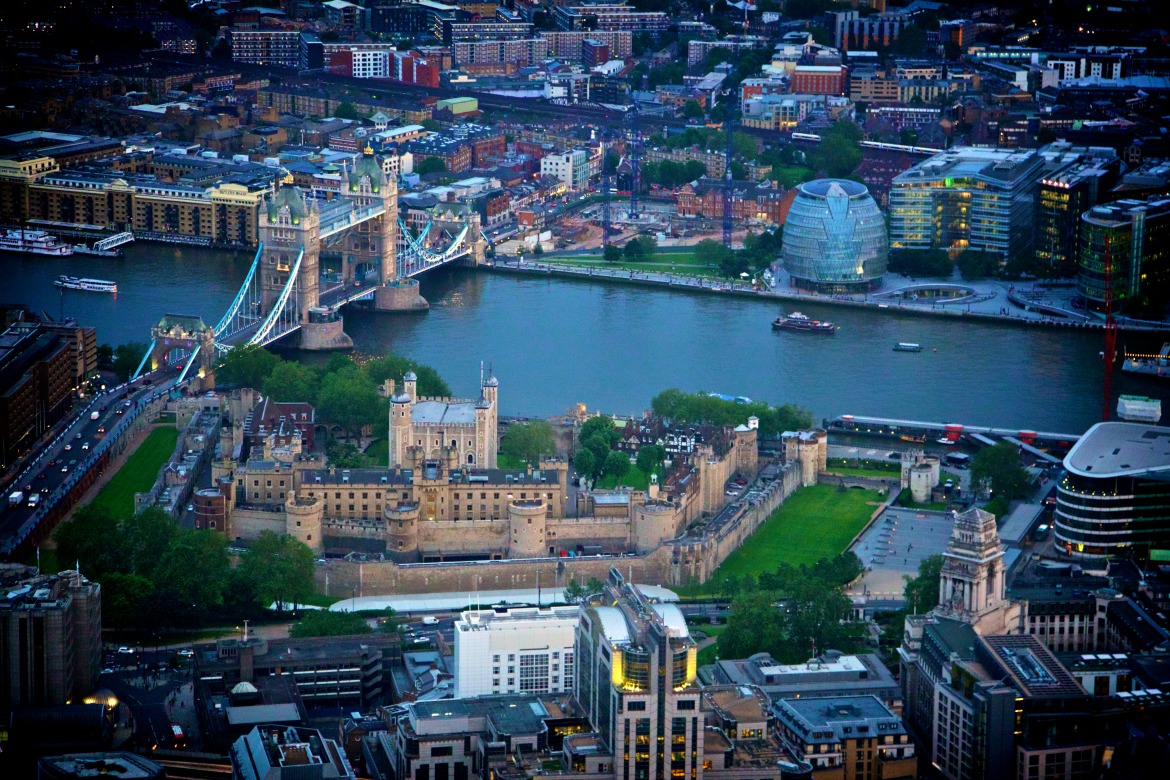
(554, 342)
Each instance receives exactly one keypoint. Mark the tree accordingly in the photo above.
(650, 457)
(754, 626)
(574, 592)
(346, 110)
(222, 50)
(350, 399)
(974, 264)
(612, 158)
(192, 576)
(837, 156)
(617, 464)
(1000, 468)
(292, 381)
(528, 441)
(692, 110)
(711, 253)
(247, 366)
(86, 539)
(282, 566)
(633, 251)
(585, 462)
(613, 253)
(105, 356)
(319, 622)
(144, 539)
(391, 366)
(674, 404)
(431, 125)
(430, 165)
(931, 263)
(126, 358)
(921, 591)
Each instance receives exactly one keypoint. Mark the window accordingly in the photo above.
(635, 706)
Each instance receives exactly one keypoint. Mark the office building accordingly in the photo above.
(281, 48)
(517, 650)
(819, 79)
(50, 638)
(1137, 235)
(1081, 179)
(37, 377)
(858, 736)
(571, 167)
(636, 683)
(967, 198)
(1114, 495)
(73, 766)
(829, 674)
(487, 30)
(834, 237)
(273, 752)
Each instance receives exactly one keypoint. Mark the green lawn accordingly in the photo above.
(815, 522)
(137, 475)
(322, 601)
(634, 479)
(871, 473)
(378, 453)
(508, 463)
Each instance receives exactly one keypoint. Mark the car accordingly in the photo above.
(68, 447)
(101, 408)
(64, 469)
(187, 653)
(101, 429)
(42, 475)
(77, 435)
(125, 650)
(107, 670)
(45, 490)
(119, 411)
(52, 463)
(85, 446)
(422, 640)
(27, 487)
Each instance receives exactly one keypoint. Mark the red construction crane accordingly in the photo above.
(1110, 353)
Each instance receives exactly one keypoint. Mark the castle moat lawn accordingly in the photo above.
(815, 522)
(137, 475)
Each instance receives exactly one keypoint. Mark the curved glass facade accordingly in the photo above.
(835, 237)
(1102, 516)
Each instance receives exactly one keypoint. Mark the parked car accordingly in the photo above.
(125, 650)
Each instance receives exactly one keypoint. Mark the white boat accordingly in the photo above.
(89, 285)
(1152, 365)
(36, 242)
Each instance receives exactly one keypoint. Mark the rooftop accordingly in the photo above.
(1117, 449)
(1032, 667)
(839, 718)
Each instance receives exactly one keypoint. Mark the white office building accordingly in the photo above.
(517, 650)
(571, 167)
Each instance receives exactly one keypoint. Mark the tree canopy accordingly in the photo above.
(921, 591)
(700, 407)
(430, 165)
(281, 568)
(922, 262)
(528, 441)
(320, 622)
(1000, 467)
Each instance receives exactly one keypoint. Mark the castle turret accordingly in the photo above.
(527, 520)
(490, 427)
(410, 385)
(399, 428)
(402, 532)
(303, 519)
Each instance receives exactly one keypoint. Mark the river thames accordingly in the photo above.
(554, 342)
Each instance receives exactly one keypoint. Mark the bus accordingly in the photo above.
(957, 460)
(178, 738)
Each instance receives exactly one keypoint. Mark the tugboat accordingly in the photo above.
(802, 322)
(89, 285)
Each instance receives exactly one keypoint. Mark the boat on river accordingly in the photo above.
(36, 242)
(906, 346)
(1151, 365)
(89, 285)
(804, 323)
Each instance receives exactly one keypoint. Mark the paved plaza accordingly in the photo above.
(894, 546)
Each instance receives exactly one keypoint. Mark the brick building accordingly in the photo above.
(763, 203)
(819, 79)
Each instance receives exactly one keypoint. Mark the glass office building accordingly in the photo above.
(967, 198)
(1114, 495)
(1138, 235)
(835, 238)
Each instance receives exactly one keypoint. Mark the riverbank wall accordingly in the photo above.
(742, 290)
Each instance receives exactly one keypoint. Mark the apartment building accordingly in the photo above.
(516, 650)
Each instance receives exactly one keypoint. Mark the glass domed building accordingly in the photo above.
(835, 238)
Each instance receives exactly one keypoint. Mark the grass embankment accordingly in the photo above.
(676, 263)
(815, 522)
(710, 653)
(137, 475)
(635, 479)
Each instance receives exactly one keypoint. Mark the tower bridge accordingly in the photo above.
(284, 292)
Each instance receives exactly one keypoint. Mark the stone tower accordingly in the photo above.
(971, 586)
(373, 243)
(291, 221)
(527, 520)
(303, 519)
(410, 385)
(402, 532)
(487, 422)
(399, 429)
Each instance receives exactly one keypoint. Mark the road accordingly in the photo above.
(53, 467)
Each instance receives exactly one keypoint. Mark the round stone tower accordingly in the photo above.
(527, 519)
(410, 384)
(402, 532)
(303, 517)
(399, 428)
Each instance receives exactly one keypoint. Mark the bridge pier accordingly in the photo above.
(400, 295)
(324, 331)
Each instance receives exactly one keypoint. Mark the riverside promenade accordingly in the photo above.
(1020, 303)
